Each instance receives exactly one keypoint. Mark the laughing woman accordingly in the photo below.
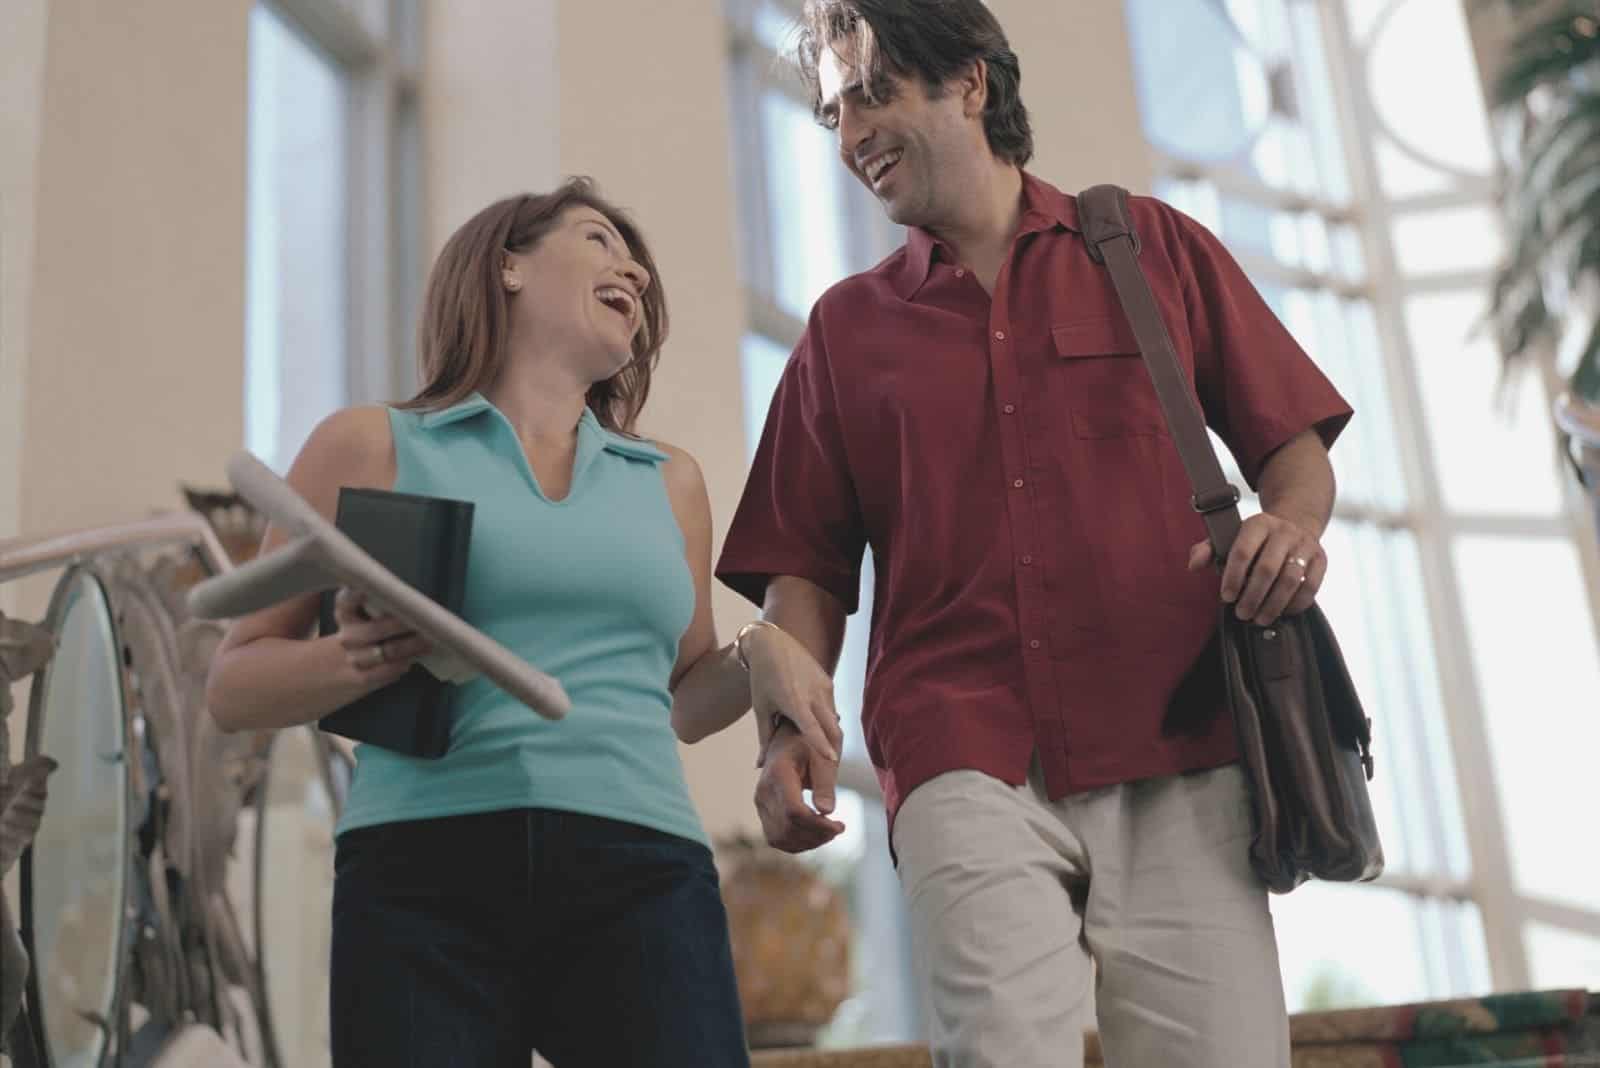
(544, 884)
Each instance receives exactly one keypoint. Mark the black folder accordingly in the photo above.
(424, 541)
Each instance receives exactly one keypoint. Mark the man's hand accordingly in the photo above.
(787, 684)
(1275, 568)
(792, 765)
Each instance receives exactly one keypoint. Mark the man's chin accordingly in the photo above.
(903, 213)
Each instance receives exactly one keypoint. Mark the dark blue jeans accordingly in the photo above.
(471, 940)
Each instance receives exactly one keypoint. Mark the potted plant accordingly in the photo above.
(1548, 90)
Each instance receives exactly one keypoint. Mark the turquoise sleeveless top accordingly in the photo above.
(593, 589)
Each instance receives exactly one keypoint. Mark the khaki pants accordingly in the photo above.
(1134, 903)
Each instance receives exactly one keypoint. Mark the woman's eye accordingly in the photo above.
(600, 237)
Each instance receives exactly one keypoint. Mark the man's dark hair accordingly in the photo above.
(933, 40)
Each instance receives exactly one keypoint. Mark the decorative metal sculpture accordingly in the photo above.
(24, 649)
(161, 965)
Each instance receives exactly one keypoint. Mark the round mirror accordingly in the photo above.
(75, 876)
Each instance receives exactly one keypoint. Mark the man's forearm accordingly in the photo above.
(1297, 483)
(809, 614)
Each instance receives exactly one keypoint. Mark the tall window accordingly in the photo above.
(334, 217)
(1360, 196)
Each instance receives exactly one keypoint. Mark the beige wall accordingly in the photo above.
(489, 106)
(657, 138)
(21, 100)
(1077, 80)
(133, 353)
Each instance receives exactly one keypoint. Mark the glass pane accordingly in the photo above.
(1261, 23)
(1282, 157)
(1562, 959)
(1363, 15)
(803, 204)
(1403, 175)
(1203, 93)
(1350, 259)
(1196, 198)
(762, 361)
(1364, 456)
(78, 869)
(1453, 239)
(1314, 86)
(297, 300)
(1294, 238)
(1346, 945)
(1538, 667)
(1340, 336)
(883, 1005)
(1439, 116)
(775, 27)
(1488, 461)
(1374, 581)
(850, 679)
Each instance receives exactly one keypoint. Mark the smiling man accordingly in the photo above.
(1043, 705)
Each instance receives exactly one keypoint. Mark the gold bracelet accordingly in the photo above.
(738, 639)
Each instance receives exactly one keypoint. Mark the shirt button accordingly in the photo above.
(1034, 644)
(1027, 560)
(1009, 409)
(1017, 484)
(999, 335)
(960, 273)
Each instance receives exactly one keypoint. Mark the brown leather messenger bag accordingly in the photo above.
(1305, 744)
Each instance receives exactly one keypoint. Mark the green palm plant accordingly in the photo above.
(1549, 86)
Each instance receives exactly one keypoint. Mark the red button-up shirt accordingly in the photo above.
(1006, 461)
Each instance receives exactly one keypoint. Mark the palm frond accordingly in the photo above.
(1548, 53)
(1560, 145)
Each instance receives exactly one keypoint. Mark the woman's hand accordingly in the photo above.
(787, 683)
(378, 649)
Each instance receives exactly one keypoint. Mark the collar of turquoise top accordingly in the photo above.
(475, 404)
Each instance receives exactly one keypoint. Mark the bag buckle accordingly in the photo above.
(1217, 502)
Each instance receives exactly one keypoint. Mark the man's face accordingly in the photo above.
(906, 147)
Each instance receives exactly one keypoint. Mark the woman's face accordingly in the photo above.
(578, 292)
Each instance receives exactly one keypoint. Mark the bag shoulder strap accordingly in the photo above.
(1108, 229)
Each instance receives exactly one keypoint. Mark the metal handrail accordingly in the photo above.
(27, 555)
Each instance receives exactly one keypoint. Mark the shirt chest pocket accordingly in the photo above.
(1102, 381)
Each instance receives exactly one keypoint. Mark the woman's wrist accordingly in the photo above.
(743, 636)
